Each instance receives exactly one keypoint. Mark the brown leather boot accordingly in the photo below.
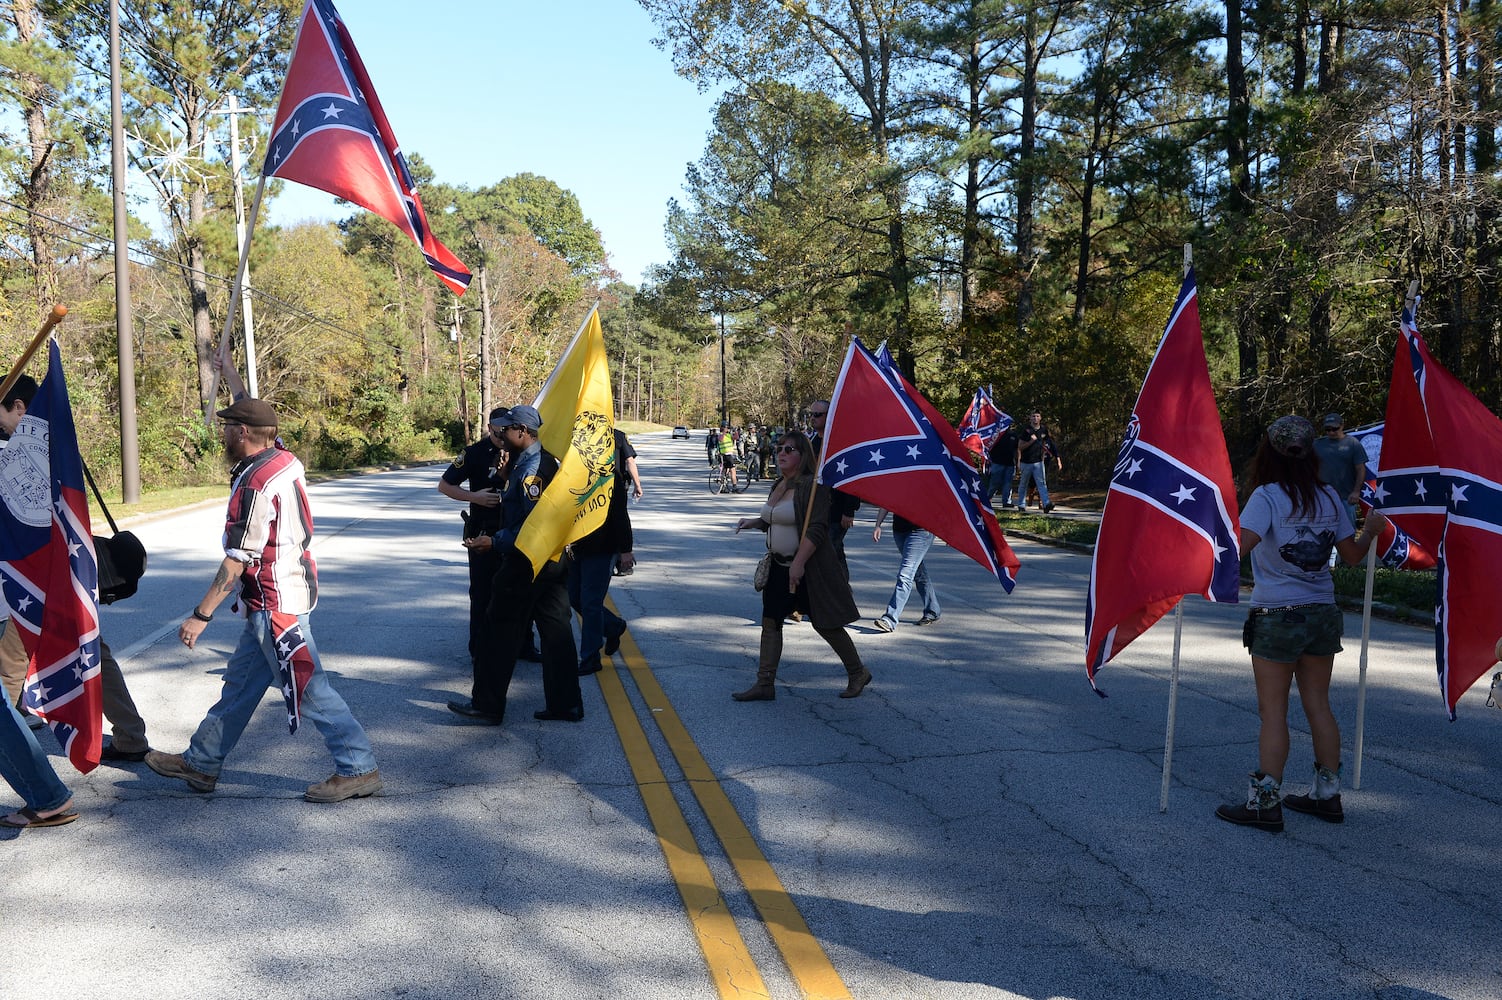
(762, 690)
(839, 640)
(765, 688)
(857, 683)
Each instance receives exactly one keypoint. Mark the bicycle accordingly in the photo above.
(720, 483)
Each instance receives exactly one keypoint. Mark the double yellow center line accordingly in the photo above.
(725, 953)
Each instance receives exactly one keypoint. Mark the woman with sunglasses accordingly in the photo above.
(806, 575)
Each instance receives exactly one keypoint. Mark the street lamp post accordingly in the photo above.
(724, 408)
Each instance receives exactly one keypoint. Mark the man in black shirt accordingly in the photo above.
(1034, 446)
(600, 629)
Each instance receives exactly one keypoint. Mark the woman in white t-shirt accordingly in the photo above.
(1289, 525)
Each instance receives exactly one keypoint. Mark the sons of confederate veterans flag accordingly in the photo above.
(1171, 525)
(47, 569)
(331, 134)
(1441, 481)
(885, 443)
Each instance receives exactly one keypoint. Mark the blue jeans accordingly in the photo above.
(588, 581)
(251, 670)
(999, 480)
(1031, 471)
(912, 574)
(25, 767)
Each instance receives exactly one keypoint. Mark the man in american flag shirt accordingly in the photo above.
(267, 532)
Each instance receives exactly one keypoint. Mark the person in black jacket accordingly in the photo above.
(1003, 458)
(589, 569)
(842, 506)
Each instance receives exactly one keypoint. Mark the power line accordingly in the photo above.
(284, 305)
(144, 49)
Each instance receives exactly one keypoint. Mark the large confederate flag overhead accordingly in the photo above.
(330, 133)
(1171, 525)
(1441, 481)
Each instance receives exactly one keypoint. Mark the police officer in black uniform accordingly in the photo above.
(477, 477)
(520, 596)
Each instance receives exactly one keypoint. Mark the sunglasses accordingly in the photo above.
(791, 449)
(818, 413)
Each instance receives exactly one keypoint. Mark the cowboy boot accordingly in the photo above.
(765, 688)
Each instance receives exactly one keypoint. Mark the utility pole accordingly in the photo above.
(130, 455)
(234, 111)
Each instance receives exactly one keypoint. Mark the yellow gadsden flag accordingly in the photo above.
(577, 429)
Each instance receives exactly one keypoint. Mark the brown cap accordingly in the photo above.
(251, 412)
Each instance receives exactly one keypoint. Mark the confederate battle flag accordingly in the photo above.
(982, 423)
(1396, 549)
(48, 569)
(1441, 481)
(885, 443)
(330, 133)
(1171, 525)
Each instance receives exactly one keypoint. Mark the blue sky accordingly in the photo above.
(576, 92)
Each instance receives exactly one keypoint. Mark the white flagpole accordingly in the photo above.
(1366, 612)
(1178, 632)
(1366, 630)
(1173, 705)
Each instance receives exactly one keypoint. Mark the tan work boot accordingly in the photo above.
(338, 787)
(172, 765)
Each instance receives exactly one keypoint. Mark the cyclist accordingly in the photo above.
(727, 457)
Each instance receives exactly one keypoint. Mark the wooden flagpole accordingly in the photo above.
(234, 301)
(53, 318)
(1178, 634)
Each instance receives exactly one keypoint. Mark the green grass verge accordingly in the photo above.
(1409, 591)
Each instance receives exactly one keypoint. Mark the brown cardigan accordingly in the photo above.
(830, 601)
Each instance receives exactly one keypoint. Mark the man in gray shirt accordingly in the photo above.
(1342, 461)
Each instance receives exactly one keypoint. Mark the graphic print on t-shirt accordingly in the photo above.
(1309, 550)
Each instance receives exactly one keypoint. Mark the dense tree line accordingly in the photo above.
(367, 357)
(1000, 189)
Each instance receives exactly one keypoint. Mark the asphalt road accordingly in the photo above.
(977, 825)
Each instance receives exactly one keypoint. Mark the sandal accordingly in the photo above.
(31, 817)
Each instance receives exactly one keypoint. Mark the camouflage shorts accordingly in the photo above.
(1285, 634)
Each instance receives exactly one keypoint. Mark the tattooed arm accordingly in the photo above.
(226, 582)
